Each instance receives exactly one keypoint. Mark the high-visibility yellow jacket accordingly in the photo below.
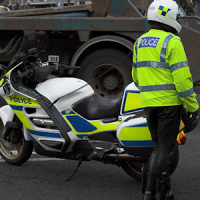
(161, 72)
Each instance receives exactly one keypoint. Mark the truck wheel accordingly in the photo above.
(113, 83)
(15, 153)
(133, 169)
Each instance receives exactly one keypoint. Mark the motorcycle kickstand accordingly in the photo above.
(79, 164)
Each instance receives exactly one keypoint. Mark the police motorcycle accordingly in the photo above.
(62, 117)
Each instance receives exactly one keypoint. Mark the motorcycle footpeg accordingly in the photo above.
(92, 155)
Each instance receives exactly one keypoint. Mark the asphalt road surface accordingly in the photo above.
(44, 178)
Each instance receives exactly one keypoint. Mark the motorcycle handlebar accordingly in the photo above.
(68, 67)
(45, 70)
(28, 71)
(23, 74)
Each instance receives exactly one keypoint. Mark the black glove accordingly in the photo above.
(191, 116)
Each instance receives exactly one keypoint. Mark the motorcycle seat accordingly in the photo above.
(94, 107)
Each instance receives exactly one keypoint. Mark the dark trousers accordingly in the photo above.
(163, 123)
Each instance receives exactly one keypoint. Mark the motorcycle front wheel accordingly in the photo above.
(15, 153)
(133, 169)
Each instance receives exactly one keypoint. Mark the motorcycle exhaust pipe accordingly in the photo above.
(126, 157)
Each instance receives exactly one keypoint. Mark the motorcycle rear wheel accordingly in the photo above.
(133, 169)
(15, 154)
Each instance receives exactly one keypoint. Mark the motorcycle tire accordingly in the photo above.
(133, 169)
(15, 154)
(111, 84)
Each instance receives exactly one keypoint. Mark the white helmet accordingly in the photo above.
(166, 12)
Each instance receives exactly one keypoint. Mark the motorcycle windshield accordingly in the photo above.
(31, 45)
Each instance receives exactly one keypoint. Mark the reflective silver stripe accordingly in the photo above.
(152, 88)
(136, 43)
(134, 65)
(186, 93)
(178, 65)
(152, 64)
(164, 48)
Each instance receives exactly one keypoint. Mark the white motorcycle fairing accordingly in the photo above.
(133, 133)
(7, 114)
(59, 87)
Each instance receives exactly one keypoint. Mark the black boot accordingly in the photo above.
(150, 188)
(170, 195)
(148, 196)
(164, 191)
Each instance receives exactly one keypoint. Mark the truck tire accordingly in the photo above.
(111, 84)
(15, 154)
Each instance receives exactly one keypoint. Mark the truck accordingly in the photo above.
(96, 36)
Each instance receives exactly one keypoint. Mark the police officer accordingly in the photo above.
(161, 72)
